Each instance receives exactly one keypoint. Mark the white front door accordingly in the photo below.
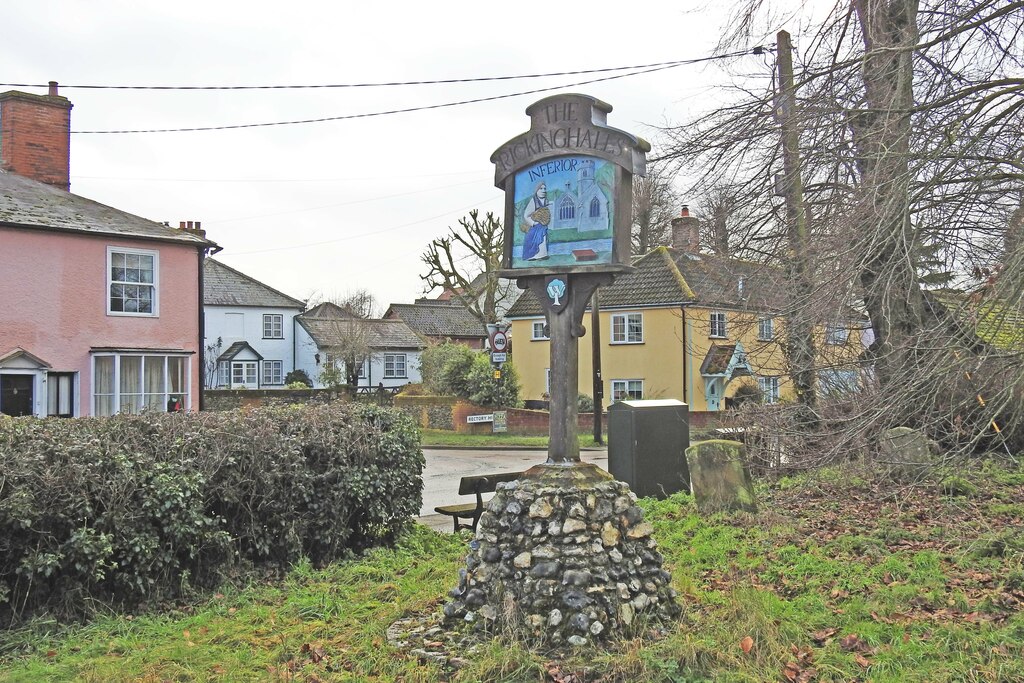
(244, 374)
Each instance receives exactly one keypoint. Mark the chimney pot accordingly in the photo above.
(686, 232)
(53, 89)
(190, 225)
(198, 225)
(181, 225)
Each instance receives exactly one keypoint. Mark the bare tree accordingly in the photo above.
(655, 204)
(909, 115)
(466, 262)
(346, 334)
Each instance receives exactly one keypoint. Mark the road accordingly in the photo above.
(445, 467)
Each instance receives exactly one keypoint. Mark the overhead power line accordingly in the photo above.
(643, 70)
(381, 84)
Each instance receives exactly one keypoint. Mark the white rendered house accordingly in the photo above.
(250, 330)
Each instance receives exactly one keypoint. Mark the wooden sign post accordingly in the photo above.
(568, 185)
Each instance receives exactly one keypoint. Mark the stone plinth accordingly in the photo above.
(565, 554)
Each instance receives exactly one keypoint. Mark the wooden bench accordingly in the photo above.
(476, 485)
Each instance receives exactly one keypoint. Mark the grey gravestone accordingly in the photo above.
(719, 476)
(907, 453)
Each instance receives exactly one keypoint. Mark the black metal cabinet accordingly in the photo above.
(647, 442)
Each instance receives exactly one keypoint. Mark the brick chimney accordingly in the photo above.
(35, 136)
(686, 232)
(194, 227)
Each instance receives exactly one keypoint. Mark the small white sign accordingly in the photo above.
(471, 419)
(498, 357)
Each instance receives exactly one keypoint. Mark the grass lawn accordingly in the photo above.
(442, 437)
(838, 578)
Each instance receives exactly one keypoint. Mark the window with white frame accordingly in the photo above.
(627, 389)
(394, 365)
(60, 394)
(225, 374)
(836, 333)
(717, 324)
(132, 276)
(273, 372)
(131, 383)
(769, 387)
(837, 382)
(539, 332)
(627, 328)
(273, 326)
(243, 373)
(766, 329)
(547, 382)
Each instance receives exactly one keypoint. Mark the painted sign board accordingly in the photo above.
(500, 423)
(498, 357)
(568, 185)
(474, 419)
(499, 341)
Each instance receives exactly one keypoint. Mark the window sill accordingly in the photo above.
(624, 343)
(540, 339)
(126, 314)
(717, 336)
(273, 337)
(396, 377)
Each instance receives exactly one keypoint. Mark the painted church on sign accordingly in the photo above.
(583, 207)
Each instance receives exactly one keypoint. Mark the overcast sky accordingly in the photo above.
(327, 208)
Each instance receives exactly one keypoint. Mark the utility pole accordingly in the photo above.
(595, 341)
(799, 326)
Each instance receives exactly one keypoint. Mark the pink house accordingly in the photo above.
(100, 310)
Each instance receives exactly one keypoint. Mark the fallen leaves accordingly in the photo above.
(799, 670)
(747, 644)
(558, 675)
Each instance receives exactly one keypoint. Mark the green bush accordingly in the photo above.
(586, 403)
(444, 368)
(456, 370)
(298, 376)
(133, 508)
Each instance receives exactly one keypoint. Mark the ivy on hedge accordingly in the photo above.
(134, 508)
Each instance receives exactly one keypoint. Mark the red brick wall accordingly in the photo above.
(35, 137)
(520, 421)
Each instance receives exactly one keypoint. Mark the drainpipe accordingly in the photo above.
(201, 356)
(686, 356)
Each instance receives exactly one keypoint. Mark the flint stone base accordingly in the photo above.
(566, 555)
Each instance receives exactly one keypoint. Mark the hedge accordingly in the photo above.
(129, 509)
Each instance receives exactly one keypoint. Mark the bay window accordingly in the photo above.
(131, 383)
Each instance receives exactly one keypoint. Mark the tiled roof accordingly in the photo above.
(984, 316)
(382, 334)
(330, 310)
(716, 362)
(437, 319)
(30, 204)
(237, 348)
(225, 286)
(666, 277)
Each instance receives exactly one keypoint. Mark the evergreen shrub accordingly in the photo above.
(136, 508)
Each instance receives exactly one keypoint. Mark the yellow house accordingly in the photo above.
(704, 329)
